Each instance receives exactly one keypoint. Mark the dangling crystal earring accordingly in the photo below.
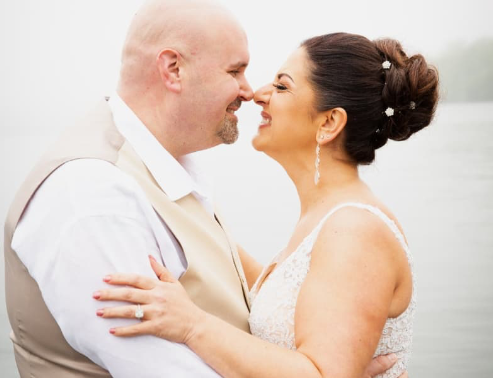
(317, 164)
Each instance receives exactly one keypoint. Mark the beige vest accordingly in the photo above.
(214, 278)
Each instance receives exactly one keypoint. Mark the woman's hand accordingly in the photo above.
(168, 311)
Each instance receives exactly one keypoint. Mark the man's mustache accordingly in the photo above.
(236, 104)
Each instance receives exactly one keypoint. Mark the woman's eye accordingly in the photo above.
(234, 73)
(280, 87)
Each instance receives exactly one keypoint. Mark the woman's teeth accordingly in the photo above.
(264, 121)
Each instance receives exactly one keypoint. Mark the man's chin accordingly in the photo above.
(230, 140)
(228, 134)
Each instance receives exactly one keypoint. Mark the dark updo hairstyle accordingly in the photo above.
(347, 72)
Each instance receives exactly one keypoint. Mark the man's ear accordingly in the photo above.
(169, 65)
(332, 125)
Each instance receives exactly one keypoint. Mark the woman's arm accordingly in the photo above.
(347, 296)
(251, 267)
(243, 355)
(170, 314)
(340, 312)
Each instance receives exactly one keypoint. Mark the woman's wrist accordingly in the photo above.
(198, 327)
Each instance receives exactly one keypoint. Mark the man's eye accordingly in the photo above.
(280, 87)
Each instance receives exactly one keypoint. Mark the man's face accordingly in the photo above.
(217, 88)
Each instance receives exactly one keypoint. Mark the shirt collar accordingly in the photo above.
(176, 178)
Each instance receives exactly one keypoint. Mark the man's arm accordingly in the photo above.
(85, 221)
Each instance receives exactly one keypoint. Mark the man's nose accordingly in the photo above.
(246, 91)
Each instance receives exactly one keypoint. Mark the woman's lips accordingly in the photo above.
(266, 119)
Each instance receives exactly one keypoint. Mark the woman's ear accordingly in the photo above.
(331, 125)
(169, 65)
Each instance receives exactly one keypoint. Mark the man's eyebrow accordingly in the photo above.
(284, 74)
(238, 65)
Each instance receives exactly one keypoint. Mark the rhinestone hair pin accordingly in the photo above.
(412, 105)
(389, 112)
(386, 65)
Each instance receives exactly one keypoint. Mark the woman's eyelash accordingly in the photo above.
(280, 87)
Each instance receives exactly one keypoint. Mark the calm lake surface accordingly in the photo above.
(440, 186)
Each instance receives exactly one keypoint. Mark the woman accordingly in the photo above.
(342, 290)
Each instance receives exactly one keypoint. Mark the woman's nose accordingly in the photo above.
(262, 95)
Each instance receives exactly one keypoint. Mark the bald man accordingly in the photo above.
(121, 185)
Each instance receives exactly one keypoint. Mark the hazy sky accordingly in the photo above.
(67, 52)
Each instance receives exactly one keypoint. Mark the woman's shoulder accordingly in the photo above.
(360, 217)
(357, 230)
(360, 248)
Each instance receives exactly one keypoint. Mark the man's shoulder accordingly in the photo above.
(90, 185)
(76, 175)
(87, 169)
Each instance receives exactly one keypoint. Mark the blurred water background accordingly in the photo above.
(59, 56)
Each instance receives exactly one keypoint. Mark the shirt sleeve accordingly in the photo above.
(75, 231)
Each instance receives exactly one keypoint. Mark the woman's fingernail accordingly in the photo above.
(152, 258)
(393, 357)
(112, 331)
(96, 295)
(107, 278)
(100, 312)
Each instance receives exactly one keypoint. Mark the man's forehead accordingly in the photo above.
(220, 38)
(233, 53)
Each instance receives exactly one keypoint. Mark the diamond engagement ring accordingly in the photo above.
(139, 313)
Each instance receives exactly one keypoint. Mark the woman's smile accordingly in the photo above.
(266, 120)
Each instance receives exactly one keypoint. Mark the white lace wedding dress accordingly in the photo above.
(273, 306)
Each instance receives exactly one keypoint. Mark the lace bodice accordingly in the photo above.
(273, 306)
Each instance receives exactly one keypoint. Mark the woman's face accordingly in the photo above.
(288, 116)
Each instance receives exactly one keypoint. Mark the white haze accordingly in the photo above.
(57, 57)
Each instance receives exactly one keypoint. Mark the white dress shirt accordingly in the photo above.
(89, 219)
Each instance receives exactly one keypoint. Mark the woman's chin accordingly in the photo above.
(259, 143)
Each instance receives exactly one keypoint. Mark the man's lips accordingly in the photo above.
(234, 106)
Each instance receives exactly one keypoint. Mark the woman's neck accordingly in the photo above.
(336, 178)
